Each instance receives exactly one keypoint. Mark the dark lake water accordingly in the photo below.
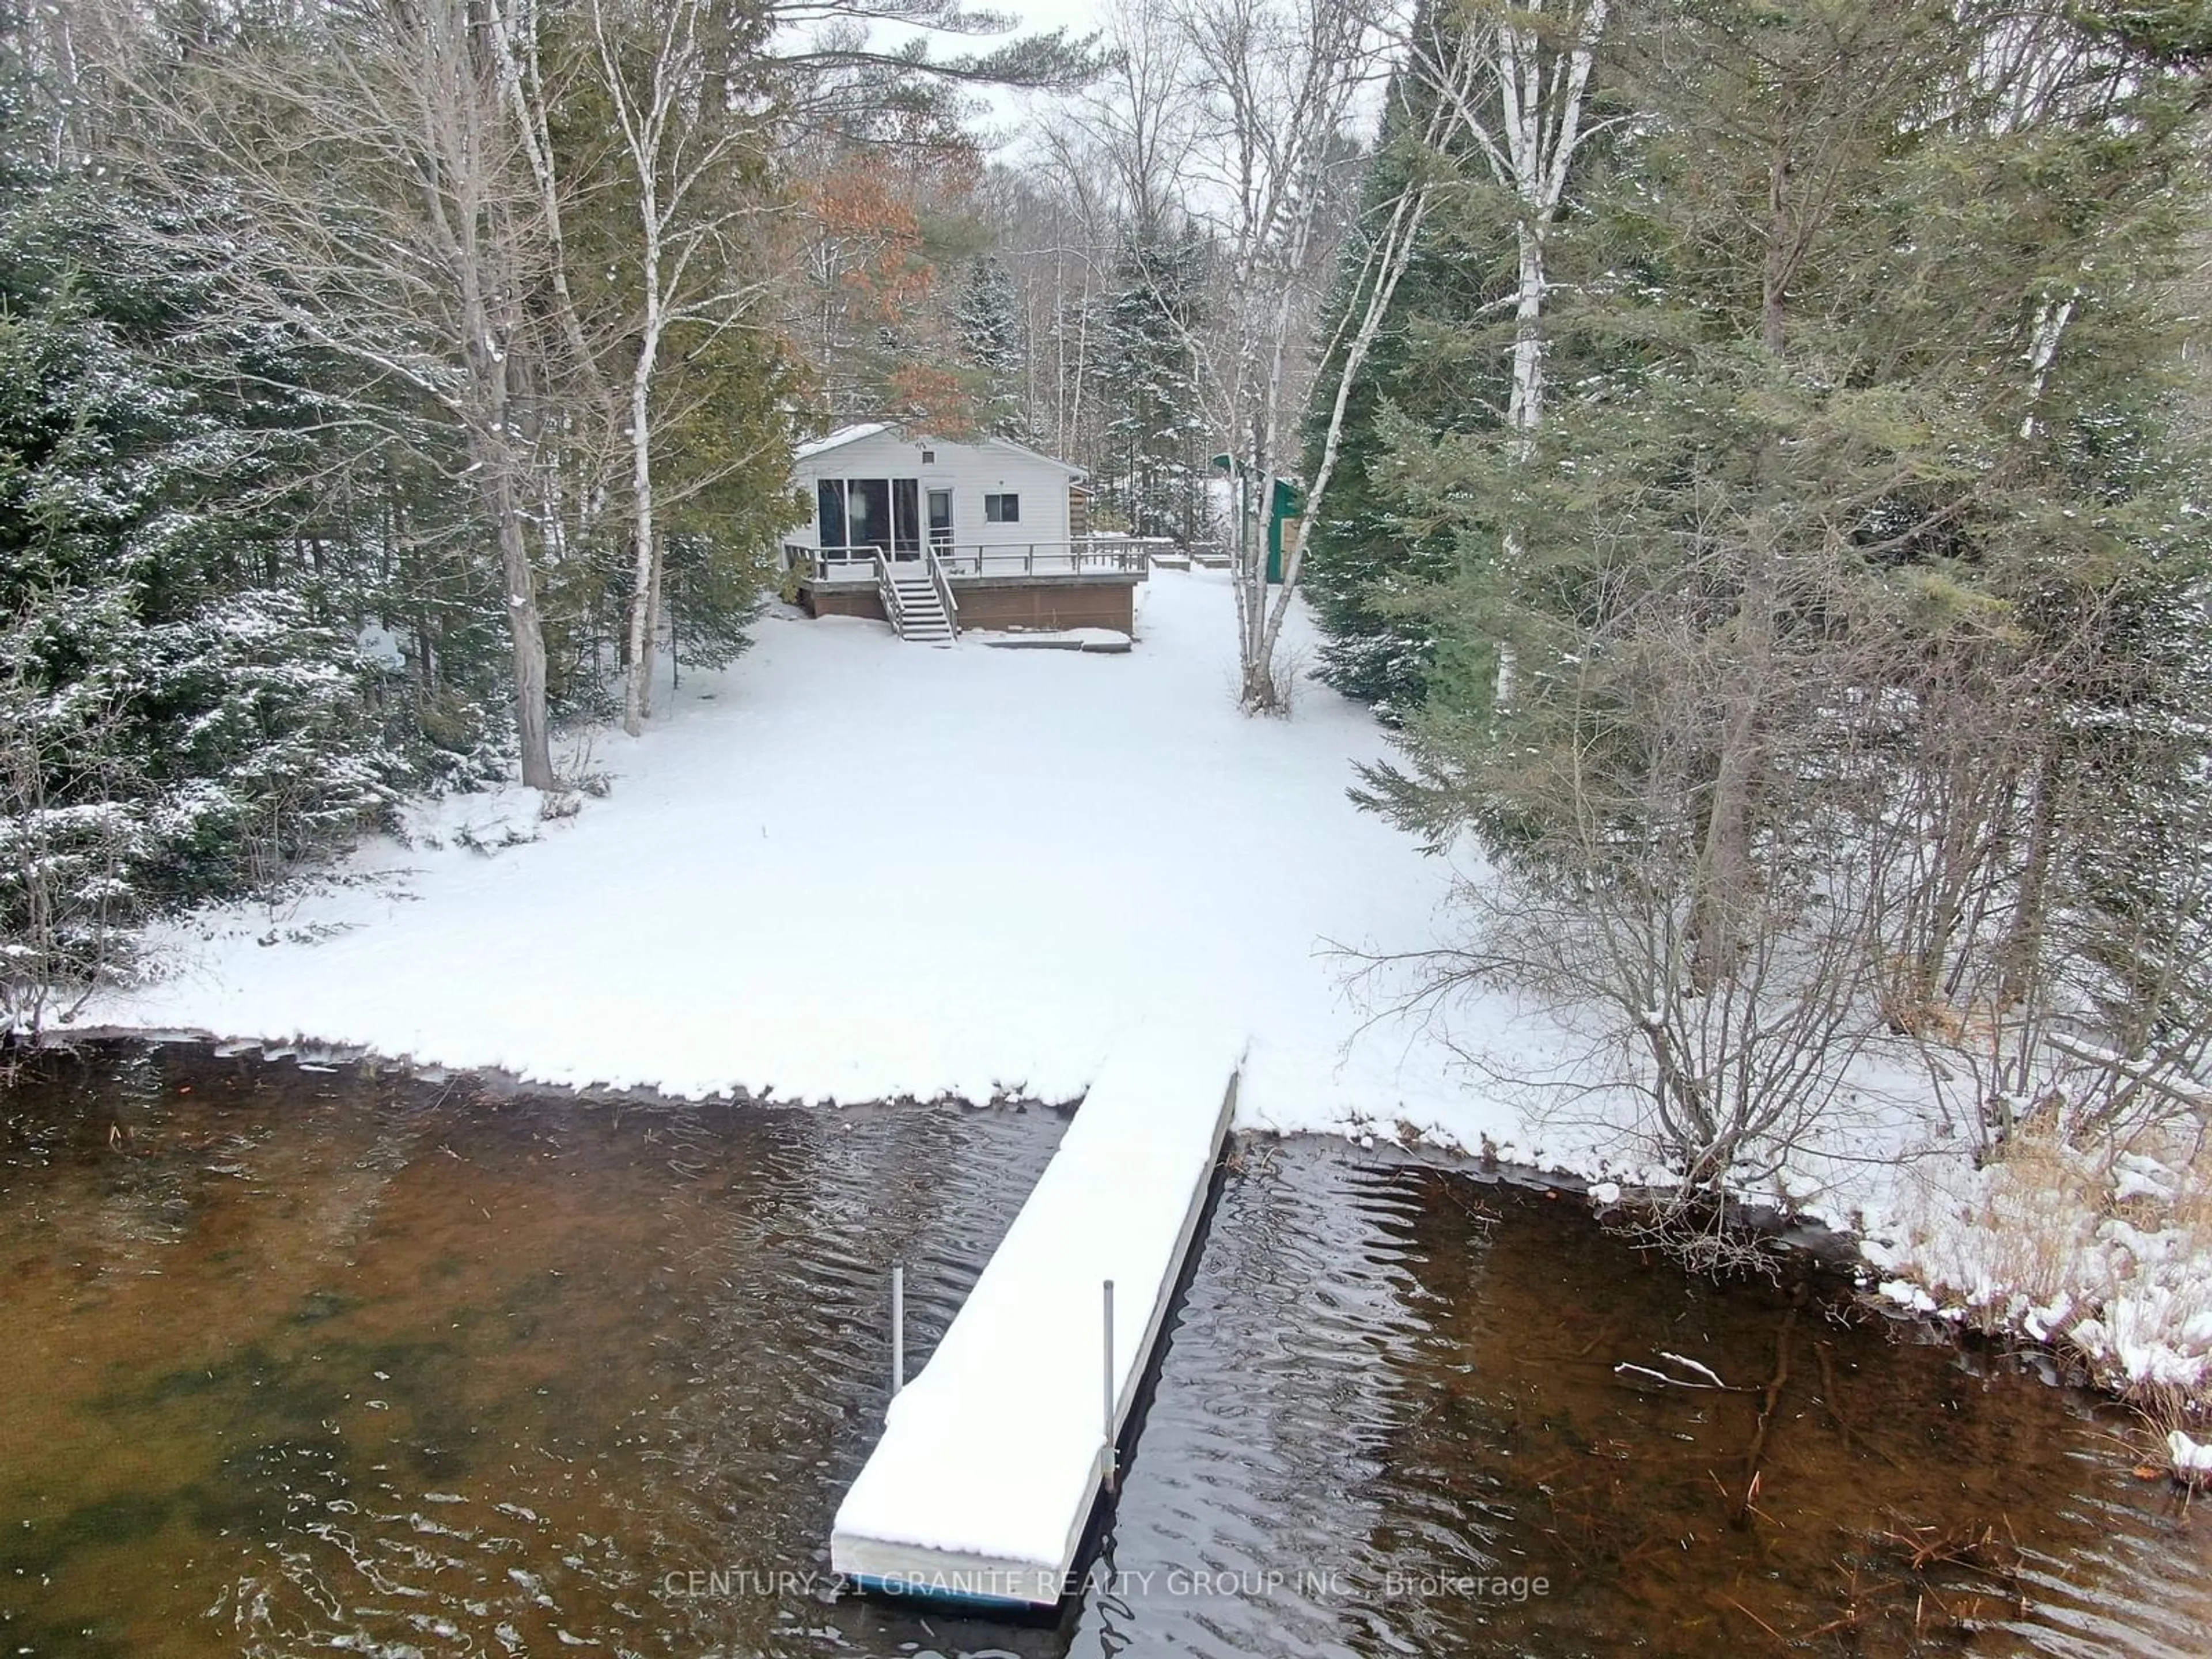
(300, 1361)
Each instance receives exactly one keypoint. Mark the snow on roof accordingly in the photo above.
(853, 434)
(1073, 470)
(841, 436)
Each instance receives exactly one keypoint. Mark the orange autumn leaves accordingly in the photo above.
(883, 339)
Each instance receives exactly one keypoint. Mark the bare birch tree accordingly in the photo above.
(671, 70)
(1280, 85)
(1142, 116)
(1517, 79)
(1507, 85)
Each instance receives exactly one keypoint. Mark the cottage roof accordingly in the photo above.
(853, 434)
(840, 438)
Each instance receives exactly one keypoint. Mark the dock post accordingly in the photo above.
(898, 1327)
(1112, 1473)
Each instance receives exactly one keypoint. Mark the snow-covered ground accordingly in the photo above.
(851, 869)
(2107, 1254)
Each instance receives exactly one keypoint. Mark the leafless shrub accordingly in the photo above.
(65, 852)
(1687, 889)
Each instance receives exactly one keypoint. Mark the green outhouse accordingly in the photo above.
(1289, 500)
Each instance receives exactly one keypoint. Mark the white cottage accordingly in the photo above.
(933, 535)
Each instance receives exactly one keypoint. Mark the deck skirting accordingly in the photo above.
(1013, 603)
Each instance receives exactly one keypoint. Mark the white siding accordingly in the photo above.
(971, 471)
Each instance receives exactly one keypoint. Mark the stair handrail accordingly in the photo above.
(887, 590)
(942, 582)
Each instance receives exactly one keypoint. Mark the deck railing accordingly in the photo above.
(1097, 556)
(940, 579)
(887, 591)
(1085, 558)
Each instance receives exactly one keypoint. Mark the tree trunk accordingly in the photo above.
(525, 633)
(637, 686)
(1724, 863)
(1726, 877)
(489, 423)
(1525, 411)
(653, 617)
(1774, 276)
(2023, 944)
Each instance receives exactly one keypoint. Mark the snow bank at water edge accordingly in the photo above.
(2110, 1258)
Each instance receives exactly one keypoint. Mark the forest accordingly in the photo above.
(1752, 455)
(1773, 518)
(389, 386)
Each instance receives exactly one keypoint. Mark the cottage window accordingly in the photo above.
(868, 513)
(861, 518)
(1002, 509)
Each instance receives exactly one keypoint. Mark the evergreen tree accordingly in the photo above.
(1366, 557)
(987, 313)
(1828, 651)
(727, 453)
(186, 708)
(1154, 473)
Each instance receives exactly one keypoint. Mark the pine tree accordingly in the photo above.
(1365, 558)
(1826, 655)
(987, 315)
(184, 704)
(1153, 475)
(128, 565)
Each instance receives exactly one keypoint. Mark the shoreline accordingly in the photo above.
(1828, 1251)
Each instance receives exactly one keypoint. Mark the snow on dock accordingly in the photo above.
(993, 1457)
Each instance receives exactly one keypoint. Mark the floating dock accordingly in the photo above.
(993, 1456)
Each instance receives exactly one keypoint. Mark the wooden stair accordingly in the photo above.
(917, 610)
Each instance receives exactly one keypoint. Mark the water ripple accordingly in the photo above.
(429, 1371)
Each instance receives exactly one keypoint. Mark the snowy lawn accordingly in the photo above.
(851, 868)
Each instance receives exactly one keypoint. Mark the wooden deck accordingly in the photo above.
(1041, 586)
